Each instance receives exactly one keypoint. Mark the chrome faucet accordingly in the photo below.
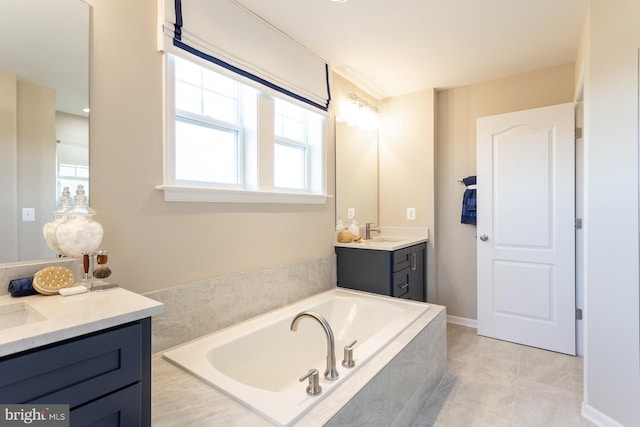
(331, 373)
(368, 230)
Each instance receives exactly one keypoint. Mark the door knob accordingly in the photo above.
(484, 237)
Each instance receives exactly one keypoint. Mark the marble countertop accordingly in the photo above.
(55, 318)
(390, 239)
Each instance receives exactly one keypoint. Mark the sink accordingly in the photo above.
(18, 314)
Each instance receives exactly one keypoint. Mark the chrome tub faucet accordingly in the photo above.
(330, 373)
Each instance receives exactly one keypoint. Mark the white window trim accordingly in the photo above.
(174, 192)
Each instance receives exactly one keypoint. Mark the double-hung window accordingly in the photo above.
(226, 141)
(208, 132)
(298, 135)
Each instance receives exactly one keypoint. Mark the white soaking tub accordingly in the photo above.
(258, 362)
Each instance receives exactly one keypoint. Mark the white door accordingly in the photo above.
(526, 230)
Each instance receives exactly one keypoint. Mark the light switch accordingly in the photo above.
(28, 214)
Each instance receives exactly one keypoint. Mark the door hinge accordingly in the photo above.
(578, 223)
(578, 314)
(578, 133)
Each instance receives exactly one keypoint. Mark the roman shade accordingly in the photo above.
(229, 35)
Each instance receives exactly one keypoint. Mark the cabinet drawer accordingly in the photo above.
(75, 371)
(401, 283)
(401, 259)
(122, 408)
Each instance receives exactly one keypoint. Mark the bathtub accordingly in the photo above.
(258, 362)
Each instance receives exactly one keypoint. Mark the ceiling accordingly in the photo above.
(386, 47)
(394, 47)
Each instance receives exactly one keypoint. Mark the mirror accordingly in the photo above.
(356, 173)
(44, 132)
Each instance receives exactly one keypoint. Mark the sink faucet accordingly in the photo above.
(368, 230)
(331, 373)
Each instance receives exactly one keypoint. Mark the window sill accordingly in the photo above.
(173, 193)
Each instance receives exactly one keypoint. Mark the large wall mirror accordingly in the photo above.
(356, 173)
(44, 128)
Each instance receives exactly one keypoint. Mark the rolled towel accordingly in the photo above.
(22, 287)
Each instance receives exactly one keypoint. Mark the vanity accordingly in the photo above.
(387, 265)
(91, 351)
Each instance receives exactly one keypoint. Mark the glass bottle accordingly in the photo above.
(79, 234)
(49, 229)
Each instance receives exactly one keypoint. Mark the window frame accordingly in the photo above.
(260, 192)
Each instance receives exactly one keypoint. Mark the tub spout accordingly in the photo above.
(331, 373)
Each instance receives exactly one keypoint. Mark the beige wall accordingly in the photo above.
(27, 166)
(36, 166)
(457, 111)
(154, 244)
(406, 159)
(612, 311)
(8, 167)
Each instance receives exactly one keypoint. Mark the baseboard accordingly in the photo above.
(462, 321)
(597, 417)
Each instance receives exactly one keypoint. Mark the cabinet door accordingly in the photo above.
(364, 270)
(418, 272)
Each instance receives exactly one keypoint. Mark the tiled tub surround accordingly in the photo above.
(259, 361)
(197, 309)
(389, 390)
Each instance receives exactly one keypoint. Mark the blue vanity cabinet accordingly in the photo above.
(104, 377)
(399, 273)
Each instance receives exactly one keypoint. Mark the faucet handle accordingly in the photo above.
(348, 362)
(313, 389)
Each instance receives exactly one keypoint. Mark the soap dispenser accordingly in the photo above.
(340, 225)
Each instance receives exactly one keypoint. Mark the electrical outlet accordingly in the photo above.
(351, 213)
(411, 213)
(28, 214)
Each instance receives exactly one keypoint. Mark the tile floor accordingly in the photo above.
(497, 383)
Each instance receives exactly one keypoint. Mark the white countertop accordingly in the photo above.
(72, 316)
(390, 239)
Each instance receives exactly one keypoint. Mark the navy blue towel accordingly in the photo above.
(469, 214)
(22, 287)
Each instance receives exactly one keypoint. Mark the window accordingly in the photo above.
(71, 175)
(296, 131)
(207, 126)
(233, 140)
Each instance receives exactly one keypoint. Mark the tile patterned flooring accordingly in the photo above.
(497, 383)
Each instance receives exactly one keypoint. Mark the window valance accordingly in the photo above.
(227, 34)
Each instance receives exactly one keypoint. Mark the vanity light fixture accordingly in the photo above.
(358, 112)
